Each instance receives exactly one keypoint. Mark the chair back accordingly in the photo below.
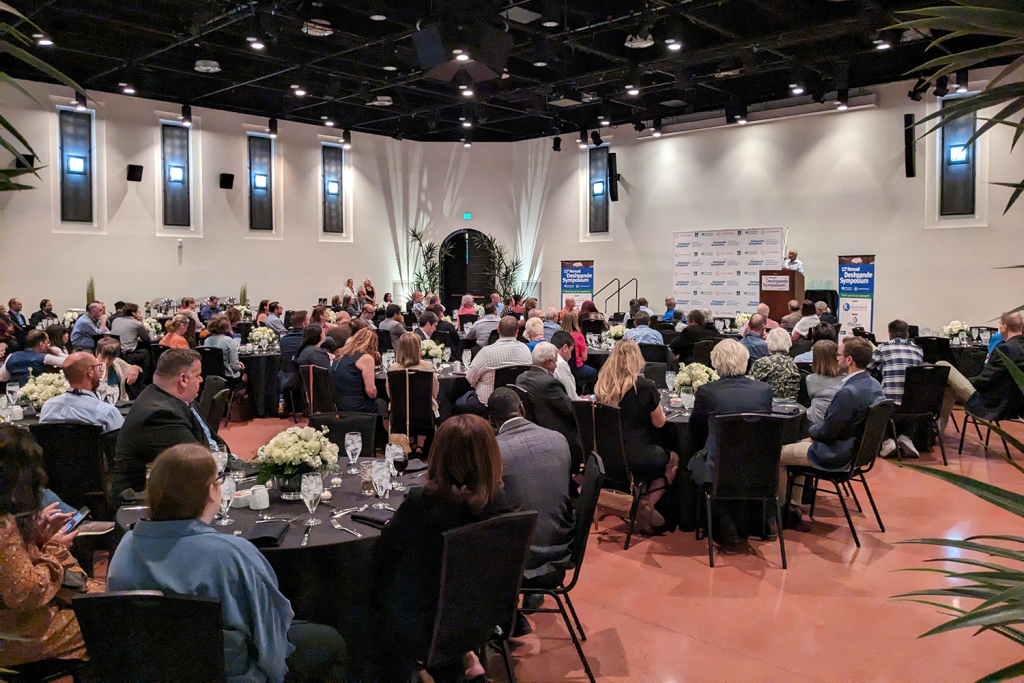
(481, 572)
(340, 423)
(243, 330)
(871, 438)
(608, 434)
(656, 373)
(524, 397)
(935, 349)
(212, 359)
(212, 386)
(76, 459)
(445, 339)
(316, 387)
(157, 350)
(702, 351)
(469, 318)
(586, 507)
(802, 396)
(137, 636)
(410, 319)
(923, 389)
(972, 361)
(592, 326)
(617, 317)
(417, 394)
(287, 319)
(508, 375)
(218, 409)
(492, 337)
(384, 341)
(749, 446)
(805, 367)
(654, 353)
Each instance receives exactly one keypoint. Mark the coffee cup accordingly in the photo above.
(259, 498)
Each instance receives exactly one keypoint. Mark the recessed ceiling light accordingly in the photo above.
(457, 51)
(882, 44)
(467, 93)
(43, 41)
(390, 67)
(467, 124)
(605, 122)
(377, 17)
(207, 66)
(462, 57)
(255, 43)
(295, 87)
(300, 93)
(329, 123)
(127, 89)
(675, 46)
(633, 91)
(549, 24)
(540, 63)
(796, 88)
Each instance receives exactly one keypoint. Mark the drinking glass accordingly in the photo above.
(963, 337)
(467, 357)
(670, 381)
(447, 354)
(237, 469)
(381, 478)
(13, 392)
(985, 336)
(227, 494)
(974, 333)
(366, 478)
(221, 458)
(312, 489)
(399, 461)
(353, 447)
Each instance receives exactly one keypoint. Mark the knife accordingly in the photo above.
(305, 537)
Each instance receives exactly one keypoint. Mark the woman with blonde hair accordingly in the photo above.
(119, 373)
(826, 379)
(409, 356)
(353, 386)
(176, 328)
(622, 384)
(350, 289)
(777, 369)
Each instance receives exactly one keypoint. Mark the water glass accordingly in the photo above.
(447, 354)
(670, 381)
(381, 477)
(366, 478)
(227, 494)
(353, 447)
(221, 458)
(986, 336)
(13, 392)
(467, 357)
(398, 460)
(311, 490)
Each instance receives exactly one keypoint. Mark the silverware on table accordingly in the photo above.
(341, 513)
(388, 507)
(275, 519)
(305, 537)
(339, 527)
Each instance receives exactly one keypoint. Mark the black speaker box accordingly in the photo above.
(613, 178)
(28, 157)
(227, 181)
(134, 173)
(909, 146)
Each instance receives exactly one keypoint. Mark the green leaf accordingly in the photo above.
(4, 123)
(14, 151)
(987, 21)
(1008, 500)
(8, 30)
(993, 616)
(1018, 189)
(1018, 377)
(1008, 5)
(968, 58)
(39, 64)
(8, 186)
(1004, 113)
(1004, 674)
(1013, 66)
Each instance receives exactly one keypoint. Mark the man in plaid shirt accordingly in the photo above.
(892, 360)
(507, 351)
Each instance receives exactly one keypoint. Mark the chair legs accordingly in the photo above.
(778, 525)
(579, 627)
(711, 542)
(871, 500)
(506, 655)
(568, 625)
(633, 510)
(938, 437)
(575, 640)
(846, 511)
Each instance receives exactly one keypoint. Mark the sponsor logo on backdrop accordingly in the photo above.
(717, 243)
(707, 293)
(718, 283)
(718, 263)
(755, 243)
(718, 302)
(705, 272)
(755, 262)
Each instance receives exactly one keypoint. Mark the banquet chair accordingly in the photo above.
(290, 385)
(935, 349)
(492, 337)
(340, 423)
(45, 671)
(243, 330)
(654, 353)
(76, 459)
(586, 506)
(1007, 414)
(410, 320)
(218, 410)
(482, 568)
(316, 387)
(212, 386)
(805, 367)
(749, 447)
(702, 351)
(212, 360)
(656, 373)
(617, 317)
(875, 426)
(384, 341)
(445, 339)
(524, 398)
(135, 636)
(470, 318)
(412, 408)
(923, 389)
(802, 396)
(972, 361)
(592, 326)
(508, 375)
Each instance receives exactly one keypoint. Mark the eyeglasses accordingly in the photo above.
(220, 478)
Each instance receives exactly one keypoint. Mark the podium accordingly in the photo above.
(778, 288)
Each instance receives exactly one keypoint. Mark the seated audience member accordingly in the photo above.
(505, 352)
(769, 324)
(821, 332)
(393, 323)
(130, 328)
(176, 329)
(58, 335)
(483, 327)
(825, 380)
(162, 416)
(834, 440)
(188, 308)
(220, 338)
(825, 315)
(118, 311)
(530, 304)
(289, 344)
(234, 318)
(90, 324)
(550, 402)
(336, 303)
(416, 305)
(35, 607)
(16, 316)
(353, 387)
(642, 332)
(550, 326)
(697, 329)
(274, 321)
(753, 338)
(588, 311)
(367, 313)
(893, 358)
(808, 319)
(621, 384)
(586, 373)
(570, 307)
(44, 315)
(463, 485)
(466, 307)
(427, 325)
(319, 316)
(262, 313)
(733, 393)
(671, 314)
(310, 350)
(641, 305)
(534, 332)
(387, 301)
(444, 327)
(118, 375)
(499, 307)
(565, 345)
(175, 550)
(339, 334)
(20, 365)
(790, 320)
(515, 305)
(210, 309)
(777, 369)
(409, 356)
(81, 404)
(348, 305)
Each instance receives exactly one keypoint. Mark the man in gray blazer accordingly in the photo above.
(552, 407)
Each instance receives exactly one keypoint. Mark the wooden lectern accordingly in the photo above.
(778, 288)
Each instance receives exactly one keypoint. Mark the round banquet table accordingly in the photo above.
(596, 358)
(969, 359)
(451, 386)
(263, 383)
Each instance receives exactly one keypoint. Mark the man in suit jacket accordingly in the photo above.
(552, 407)
(834, 440)
(290, 343)
(697, 330)
(427, 325)
(162, 416)
(996, 394)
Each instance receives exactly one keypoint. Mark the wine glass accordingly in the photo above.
(467, 357)
(447, 354)
(381, 478)
(311, 490)
(670, 381)
(399, 460)
(221, 458)
(974, 333)
(353, 447)
(227, 494)
(962, 335)
(986, 336)
(13, 392)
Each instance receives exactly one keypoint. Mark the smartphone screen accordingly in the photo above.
(75, 521)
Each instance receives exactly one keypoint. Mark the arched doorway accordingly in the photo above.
(463, 270)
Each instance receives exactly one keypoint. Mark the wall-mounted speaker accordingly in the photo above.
(909, 146)
(613, 177)
(28, 157)
(134, 173)
(227, 181)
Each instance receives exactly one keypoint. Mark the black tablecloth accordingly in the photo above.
(264, 386)
(450, 388)
(596, 358)
(969, 360)
(32, 417)
(676, 431)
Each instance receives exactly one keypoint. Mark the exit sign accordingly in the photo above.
(466, 216)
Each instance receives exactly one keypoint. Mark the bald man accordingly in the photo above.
(80, 404)
(769, 324)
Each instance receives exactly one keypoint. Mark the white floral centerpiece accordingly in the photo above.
(245, 311)
(263, 337)
(616, 331)
(447, 318)
(69, 318)
(332, 317)
(954, 328)
(154, 327)
(292, 453)
(741, 319)
(431, 350)
(694, 375)
(479, 309)
(41, 388)
(680, 325)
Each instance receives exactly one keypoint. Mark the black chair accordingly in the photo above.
(749, 447)
(316, 388)
(656, 373)
(508, 375)
(972, 361)
(340, 423)
(212, 386)
(44, 671)
(212, 359)
(1007, 413)
(243, 330)
(702, 351)
(445, 339)
(384, 341)
(617, 317)
(935, 349)
(591, 326)
(76, 459)
(218, 410)
(481, 571)
(923, 389)
(654, 353)
(412, 409)
(137, 636)
(586, 505)
(524, 397)
(291, 388)
(492, 337)
(802, 397)
(875, 426)
(463, 319)
(805, 367)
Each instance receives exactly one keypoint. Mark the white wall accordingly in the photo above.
(835, 180)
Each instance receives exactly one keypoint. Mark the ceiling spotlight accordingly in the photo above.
(273, 128)
(919, 89)
(461, 57)
(467, 92)
(882, 43)
(207, 66)
(633, 90)
(467, 123)
(255, 42)
(605, 122)
(962, 80)
(556, 144)
(126, 88)
(186, 115)
(540, 62)
(300, 93)
(735, 112)
(329, 123)
(346, 139)
(596, 137)
(80, 102)
(796, 88)
(843, 99)
(675, 46)
(377, 17)
(583, 139)
(942, 86)
(639, 127)
(390, 67)
(549, 24)
(42, 40)
(657, 128)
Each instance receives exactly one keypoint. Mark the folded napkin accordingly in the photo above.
(378, 520)
(267, 534)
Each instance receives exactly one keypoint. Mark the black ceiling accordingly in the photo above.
(745, 51)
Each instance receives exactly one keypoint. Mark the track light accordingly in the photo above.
(632, 90)
(797, 88)
(882, 44)
(736, 112)
(186, 115)
(80, 102)
(42, 40)
(962, 79)
(299, 90)
(583, 139)
(843, 99)
(556, 144)
(917, 92)
(639, 127)
(942, 86)
(596, 137)
(273, 128)
(657, 128)
(126, 88)
(346, 139)
(467, 139)
(255, 42)
(328, 121)
(467, 92)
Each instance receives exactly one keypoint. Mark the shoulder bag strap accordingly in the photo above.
(408, 390)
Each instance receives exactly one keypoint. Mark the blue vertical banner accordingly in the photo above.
(577, 281)
(856, 292)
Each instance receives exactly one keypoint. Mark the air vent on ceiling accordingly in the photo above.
(207, 66)
(520, 15)
(380, 101)
(317, 28)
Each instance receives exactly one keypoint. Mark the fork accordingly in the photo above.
(339, 527)
(341, 513)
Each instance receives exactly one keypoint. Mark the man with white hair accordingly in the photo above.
(769, 324)
(550, 326)
(793, 263)
(825, 315)
(90, 325)
(549, 401)
(671, 314)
